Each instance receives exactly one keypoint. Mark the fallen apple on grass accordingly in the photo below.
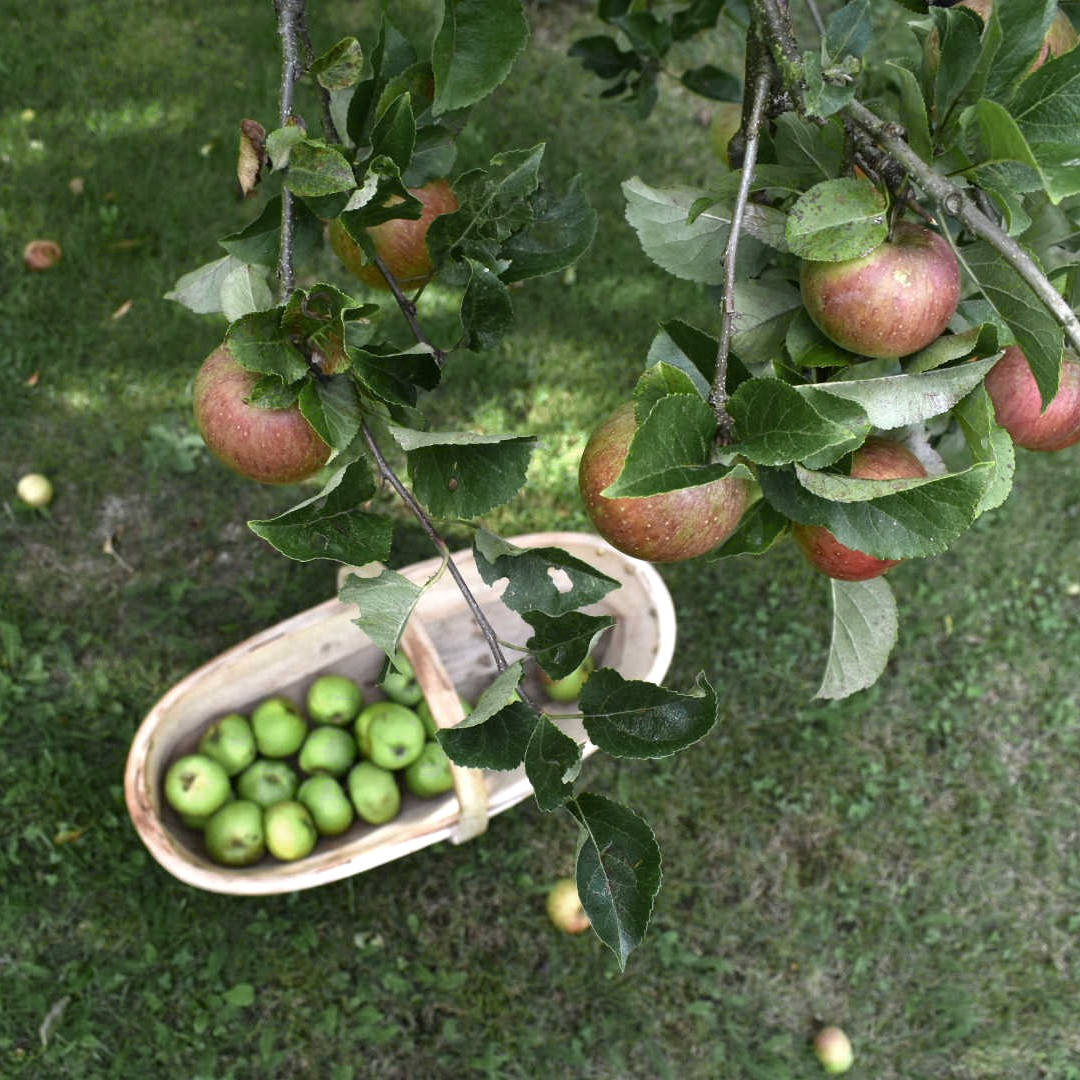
(564, 907)
(833, 1050)
(35, 490)
(41, 255)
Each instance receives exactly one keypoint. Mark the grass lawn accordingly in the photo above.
(904, 863)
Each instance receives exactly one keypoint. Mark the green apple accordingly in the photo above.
(400, 683)
(267, 782)
(569, 687)
(423, 710)
(833, 1050)
(198, 821)
(290, 830)
(230, 742)
(196, 784)
(328, 749)
(429, 774)
(279, 728)
(374, 793)
(394, 735)
(234, 835)
(327, 803)
(333, 699)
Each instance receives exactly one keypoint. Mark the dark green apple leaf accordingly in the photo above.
(809, 347)
(461, 474)
(322, 314)
(394, 377)
(245, 290)
(200, 290)
(340, 66)
(629, 718)
(1037, 332)
(921, 520)
(678, 344)
(849, 32)
(499, 742)
(1005, 195)
(392, 54)
(758, 529)
(1002, 139)
(826, 95)
(864, 625)
(987, 442)
(269, 392)
(259, 344)
(815, 150)
(837, 220)
(981, 340)
(280, 143)
(603, 57)
(912, 110)
(561, 643)
(691, 250)
(713, 82)
(331, 406)
(1024, 24)
(394, 134)
(501, 692)
(552, 764)
(661, 381)
(337, 529)
(559, 234)
(898, 400)
(531, 576)
(763, 312)
(775, 424)
(385, 601)
(474, 49)
(487, 312)
(959, 33)
(648, 34)
(316, 169)
(1047, 103)
(382, 197)
(418, 81)
(1058, 169)
(618, 871)
(698, 15)
(258, 241)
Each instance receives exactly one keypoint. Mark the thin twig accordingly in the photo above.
(815, 14)
(426, 524)
(290, 14)
(958, 204)
(718, 395)
(408, 309)
(329, 127)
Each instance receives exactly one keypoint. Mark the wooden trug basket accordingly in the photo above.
(450, 656)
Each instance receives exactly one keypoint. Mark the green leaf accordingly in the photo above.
(1037, 332)
(559, 234)
(816, 150)
(393, 378)
(475, 47)
(561, 643)
(1001, 137)
(602, 56)
(461, 474)
(498, 742)
(487, 313)
(269, 392)
(692, 351)
(530, 576)
(764, 310)
(912, 110)
(981, 340)
(809, 347)
(1059, 168)
(1047, 104)
(849, 31)
(245, 290)
(825, 96)
(394, 134)
(987, 442)
(837, 220)
(258, 242)
(200, 290)
(775, 424)
(864, 628)
(332, 527)
(713, 82)
(959, 33)
(913, 518)
(898, 400)
(758, 530)
(280, 143)
(661, 381)
(385, 604)
(629, 718)
(340, 66)
(502, 691)
(1023, 27)
(331, 406)
(240, 996)
(316, 169)
(552, 763)
(698, 15)
(258, 343)
(618, 871)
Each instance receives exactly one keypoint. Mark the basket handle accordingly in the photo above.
(445, 705)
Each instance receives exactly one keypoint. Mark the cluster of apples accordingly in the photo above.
(275, 782)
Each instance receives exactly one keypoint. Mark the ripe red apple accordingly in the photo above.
(564, 907)
(668, 527)
(1018, 405)
(876, 459)
(41, 255)
(892, 302)
(273, 446)
(401, 243)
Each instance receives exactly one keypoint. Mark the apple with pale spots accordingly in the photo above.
(1018, 403)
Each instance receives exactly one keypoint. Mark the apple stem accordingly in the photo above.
(408, 309)
(718, 396)
(290, 15)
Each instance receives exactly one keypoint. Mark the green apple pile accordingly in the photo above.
(278, 780)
